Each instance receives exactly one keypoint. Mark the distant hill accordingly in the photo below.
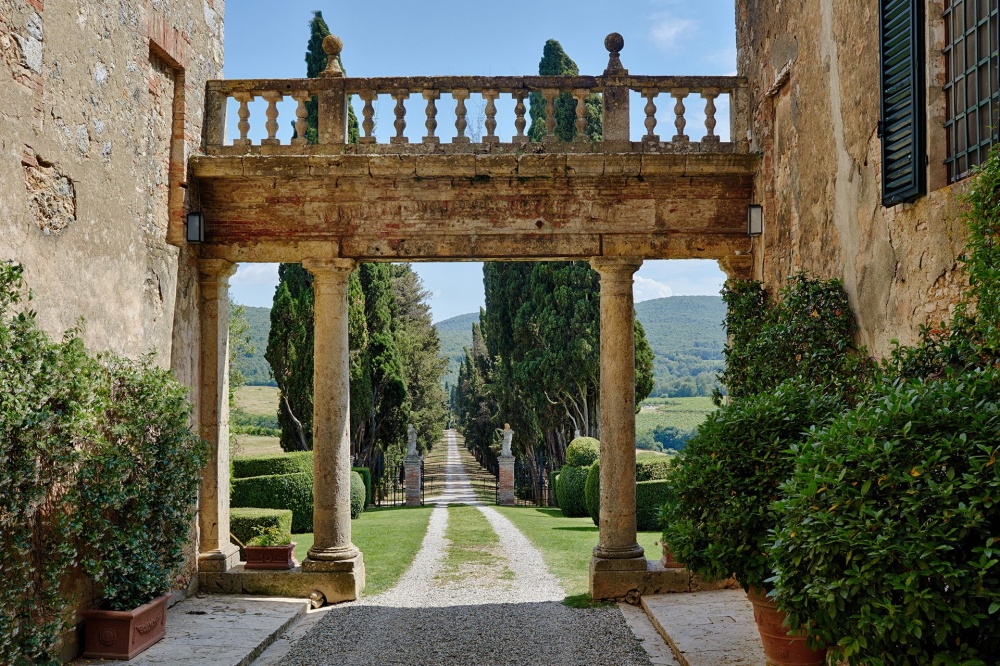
(255, 366)
(685, 333)
(455, 335)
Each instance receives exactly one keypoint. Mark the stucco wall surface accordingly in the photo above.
(814, 79)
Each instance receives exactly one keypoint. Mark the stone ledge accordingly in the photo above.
(335, 586)
(611, 579)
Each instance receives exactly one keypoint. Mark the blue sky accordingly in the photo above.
(397, 38)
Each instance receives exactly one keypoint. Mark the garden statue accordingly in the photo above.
(411, 440)
(508, 434)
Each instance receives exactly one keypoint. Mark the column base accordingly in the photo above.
(220, 560)
(345, 584)
(631, 579)
(329, 555)
(506, 465)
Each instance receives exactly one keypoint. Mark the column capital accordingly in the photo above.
(215, 270)
(332, 266)
(616, 266)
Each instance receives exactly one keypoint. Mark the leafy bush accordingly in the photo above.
(269, 536)
(583, 452)
(271, 464)
(357, 495)
(278, 491)
(890, 524)
(652, 467)
(241, 419)
(366, 476)
(256, 431)
(649, 497)
(245, 523)
(717, 514)
(571, 496)
(648, 467)
(554, 485)
(592, 492)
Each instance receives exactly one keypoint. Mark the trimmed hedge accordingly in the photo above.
(647, 468)
(554, 486)
(278, 491)
(571, 497)
(246, 523)
(357, 495)
(592, 492)
(583, 452)
(366, 476)
(653, 467)
(649, 497)
(272, 464)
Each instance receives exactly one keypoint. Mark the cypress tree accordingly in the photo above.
(555, 62)
(316, 63)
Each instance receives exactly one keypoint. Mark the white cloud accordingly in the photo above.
(255, 274)
(645, 289)
(668, 31)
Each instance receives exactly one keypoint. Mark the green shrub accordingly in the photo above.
(554, 485)
(278, 491)
(652, 467)
(592, 492)
(272, 464)
(583, 452)
(649, 497)
(357, 495)
(366, 476)
(717, 515)
(890, 527)
(245, 523)
(572, 500)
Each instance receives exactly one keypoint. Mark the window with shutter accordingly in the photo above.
(904, 176)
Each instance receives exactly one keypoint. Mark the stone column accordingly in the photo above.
(412, 464)
(506, 468)
(618, 551)
(332, 550)
(216, 552)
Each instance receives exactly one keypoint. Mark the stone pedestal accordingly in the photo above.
(506, 480)
(412, 464)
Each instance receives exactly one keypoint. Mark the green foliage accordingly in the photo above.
(278, 491)
(649, 497)
(251, 361)
(240, 347)
(357, 495)
(290, 349)
(269, 535)
(245, 523)
(555, 62)
(554, 484)
(366, 477)
(592, 492)
(583, 452)
(653, 467)
(455, 335)
(648, 468)
(718, 515)
(572, 499)
(240, 419)
(890, 522)
(270, 465)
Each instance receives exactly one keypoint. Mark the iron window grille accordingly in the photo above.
(972, 91)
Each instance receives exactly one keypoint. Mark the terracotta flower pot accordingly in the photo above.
(270, 557)
(124, 634)
(668, 561)
(780, 648)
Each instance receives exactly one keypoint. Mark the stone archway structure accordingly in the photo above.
(330, 205)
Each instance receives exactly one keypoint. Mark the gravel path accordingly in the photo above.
(479, 619)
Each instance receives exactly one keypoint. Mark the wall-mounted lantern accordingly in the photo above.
(755, 220)
(195, 227)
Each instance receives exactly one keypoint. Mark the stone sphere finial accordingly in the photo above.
(332, 47)
(614, 43)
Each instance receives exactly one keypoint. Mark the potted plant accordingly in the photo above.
(270, 549)
(137, 494)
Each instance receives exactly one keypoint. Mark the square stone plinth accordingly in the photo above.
(219, 560)
(506, 478)
(615, 579)
(342, 580)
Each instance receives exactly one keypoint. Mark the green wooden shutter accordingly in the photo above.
(901, 37)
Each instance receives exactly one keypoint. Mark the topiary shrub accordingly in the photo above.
(554, 487)
(278, 491)
(357, 495)
(572, 501)
(583, 452)
(366, 476)
(652, 466)
(717, 514)
(269, 465)
(649, 497)
(888, 539)
(244, 524)
(592, 492)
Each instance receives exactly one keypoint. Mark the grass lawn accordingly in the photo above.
(434, 464)
(567, 543)
(252, 445)
(258, 400)
(473, 546)
(389, 538)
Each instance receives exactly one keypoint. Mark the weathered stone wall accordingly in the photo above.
(814, 81)
(101, 102)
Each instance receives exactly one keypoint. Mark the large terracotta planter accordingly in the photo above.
(124, 634)
(270, 557)
(780, 648)
(669, 561)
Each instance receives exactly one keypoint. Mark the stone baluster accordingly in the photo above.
(491, 116)
(272, 98)
(709, 95)
(460, 95)
(368, 116)
(650, 94)
(550, 95)
(581, 115)
(615, 99)
(519, 110)
(679, 95)
(431, 96)
(301, 113)
(244, 98)
(214, 126)
(400, 112)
